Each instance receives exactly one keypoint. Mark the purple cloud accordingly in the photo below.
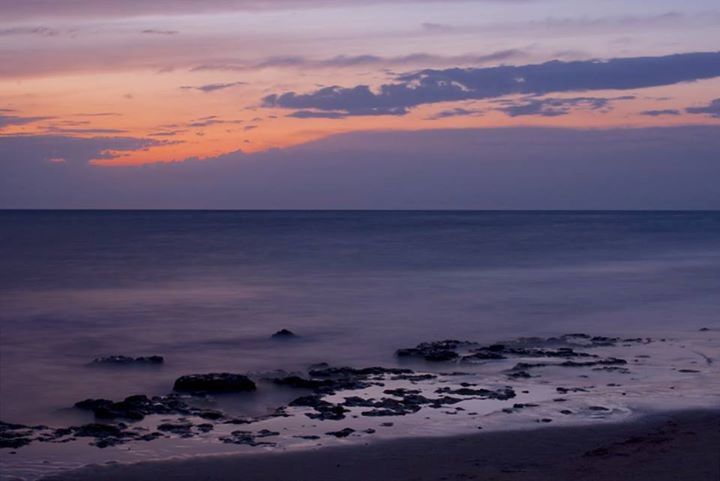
(660, 113)
(712, 109)
(208, 88)
(455, 84)
(554, 107)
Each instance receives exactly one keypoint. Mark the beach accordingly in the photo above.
(672, 446)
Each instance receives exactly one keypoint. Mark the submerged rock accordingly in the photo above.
(14, 436)
(214, 382)
(137, 407)
(249, 438)
(302, 383)
(343, 433)
(129, 361)
(438, 351)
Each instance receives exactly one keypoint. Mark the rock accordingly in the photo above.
(323, 409)
(704, 329)
(302, 383)
(439, 351)
(13, 436)
(214, 383)
(129, 361)
(482, 356)
(137, 407)
(97, 430)
(499, 394)
(284, 334)
(343, 433)
(181, 428)
(247, 438)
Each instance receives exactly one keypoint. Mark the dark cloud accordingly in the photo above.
(204, 122)
(314, 114)
(455, 84)
(56, 130)
(329, 114)
(208, 88)
(456, 112)
(39, 31)
(554, 107)
(8, 120)
(153, 31)
(712, 109)
(349, 61)
(501, 168)
(660, 113)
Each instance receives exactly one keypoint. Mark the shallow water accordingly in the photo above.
(206, 290)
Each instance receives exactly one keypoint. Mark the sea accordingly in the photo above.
(207, 289)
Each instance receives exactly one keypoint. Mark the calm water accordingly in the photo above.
(206, 289)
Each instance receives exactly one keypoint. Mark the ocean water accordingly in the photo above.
(207, 289)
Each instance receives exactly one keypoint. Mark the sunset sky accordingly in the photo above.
(110, 84)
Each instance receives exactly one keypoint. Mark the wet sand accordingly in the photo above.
(671, 446)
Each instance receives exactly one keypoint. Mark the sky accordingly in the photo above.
(323, 104)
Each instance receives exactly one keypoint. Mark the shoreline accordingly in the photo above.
(672, 446)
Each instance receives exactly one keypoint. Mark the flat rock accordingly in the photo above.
(214, 383)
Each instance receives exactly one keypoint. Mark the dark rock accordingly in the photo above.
(129, 361)
(182, 428)
(302, 383)
(323, 409)
(519, 375)
(482, 356)
(284, 334)
(499, 394)
(97, 430)
(343, 433)
(214, 382)
(247, 438)
(439, 351)
(598, 408)
(137, 407)
(13, 436)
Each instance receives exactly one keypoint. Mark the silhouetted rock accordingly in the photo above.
(438, 351)
(302, 383)
(137, 407)
(284, 334)
(129, 361)
(214, 382)
(343, 433)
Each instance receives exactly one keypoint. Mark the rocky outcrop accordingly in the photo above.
(214, 383)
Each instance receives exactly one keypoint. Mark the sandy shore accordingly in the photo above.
(672, 447)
